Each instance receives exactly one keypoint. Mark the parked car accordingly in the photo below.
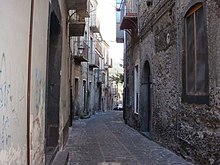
(118, 107)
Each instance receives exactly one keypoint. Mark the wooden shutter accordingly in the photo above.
(190, 57)
(201, 52)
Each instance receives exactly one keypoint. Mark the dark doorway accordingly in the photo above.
(89, 97)
(71, 106)
(84, 96)
(76, 98)
(99, 87)
(53, 86)
(145, 99)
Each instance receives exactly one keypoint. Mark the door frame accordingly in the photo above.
(146, 98)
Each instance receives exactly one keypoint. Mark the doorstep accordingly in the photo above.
(61, 158)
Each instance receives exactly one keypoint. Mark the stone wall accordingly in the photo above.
(191, 130)
(159, 49)
(199, 128)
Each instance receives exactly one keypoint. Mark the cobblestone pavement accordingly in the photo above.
(104, 139)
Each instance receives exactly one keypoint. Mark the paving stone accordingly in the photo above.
(104, 139)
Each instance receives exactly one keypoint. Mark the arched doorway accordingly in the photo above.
(53, 84)
(145, 98)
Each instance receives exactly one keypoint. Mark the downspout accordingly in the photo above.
(70, 74)
(29, 83)
(87, 75)
(70, 83)
(177, 6)
(138, 17)
(108, 92)
(87, 41)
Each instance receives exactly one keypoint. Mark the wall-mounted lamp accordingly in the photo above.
(106, 66)
(80, 50)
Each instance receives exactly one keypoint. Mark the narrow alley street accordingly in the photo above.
(68, 68)
(104, 139)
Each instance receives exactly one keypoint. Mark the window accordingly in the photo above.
(91, 48)
(76, 88)
(195, 87)
(136, 90)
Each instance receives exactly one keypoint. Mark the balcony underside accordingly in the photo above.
(77, 29)
(95, 29)
(79, 59)
(79, 5)
(76, 4)
(119, 40)
(129, 22)
(91, 66)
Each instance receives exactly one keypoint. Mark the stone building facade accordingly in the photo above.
(172, 76)
(90, 67)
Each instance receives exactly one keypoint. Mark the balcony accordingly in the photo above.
(128, 16)
(101, 76)
(98, 47)
(95, 24)
(119, 32)
(129, 21)
(95, 61)
(81, 7)
(81, 54)
(110, 64)
(77, 28)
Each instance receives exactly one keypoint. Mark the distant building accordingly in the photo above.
(90, 66)
(172, 74)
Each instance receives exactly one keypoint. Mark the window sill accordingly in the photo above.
(193, 99)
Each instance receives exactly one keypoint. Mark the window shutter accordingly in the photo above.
(190, 78)
(201, 53)
(195, 61)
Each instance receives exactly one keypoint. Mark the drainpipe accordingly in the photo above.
(177, 6)
(29, 82)
(70, 81)
(71, 88)
(87, 70)
(138, 17)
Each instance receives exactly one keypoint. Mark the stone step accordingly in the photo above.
(61, 158)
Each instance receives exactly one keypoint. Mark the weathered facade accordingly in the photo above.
(10, 121)
(172, 75)
(89, 67)
(35, 80)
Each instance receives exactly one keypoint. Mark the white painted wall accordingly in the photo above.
(14, 47)
(38, 81)
(65, 76)
(14, 35)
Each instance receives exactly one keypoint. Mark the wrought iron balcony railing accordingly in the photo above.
(80, 6)
(94, 63)
(95, 24)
